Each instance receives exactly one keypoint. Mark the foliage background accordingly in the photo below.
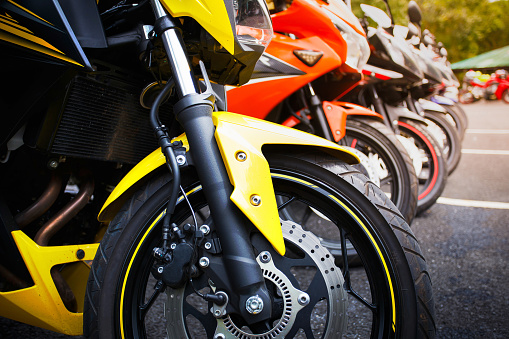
(466, 27)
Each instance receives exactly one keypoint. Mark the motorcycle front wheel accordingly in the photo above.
(429, 163)
(447, 136)
(389, 296)
(459, 117)
(390, 160)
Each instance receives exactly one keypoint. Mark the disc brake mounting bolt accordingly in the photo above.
(219, 336)
(303, 299)
(256, 200)
(265, 257)
(208, 245)
(241, 156)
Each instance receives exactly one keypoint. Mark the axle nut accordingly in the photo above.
(254, 304)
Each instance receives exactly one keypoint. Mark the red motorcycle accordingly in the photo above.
(494, 88)
(498, 86)
(304, 69)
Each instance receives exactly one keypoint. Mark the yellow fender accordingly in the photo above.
(250, 176)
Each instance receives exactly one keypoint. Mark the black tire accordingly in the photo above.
(394, 280)
(465, 97)
(433, 176)
(460, 118)
(372, 137)
(505, 96)
(450, 143)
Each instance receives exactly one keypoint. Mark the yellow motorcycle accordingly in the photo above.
(216, 233)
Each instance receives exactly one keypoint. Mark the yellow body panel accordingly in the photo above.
(40, 305)
(239, 133)
(210, 14)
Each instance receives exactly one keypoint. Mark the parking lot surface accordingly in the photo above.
(465, 237)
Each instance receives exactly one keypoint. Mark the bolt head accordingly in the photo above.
(329, 108)
(303, 299)
(256, 200)
(173, 246)
(241, 156)
(219, 336)
(217, 313)
(265, 257)
(160, 269)
(181, 160)
(208, 245)
(254, 304)
(338, 132)
(204, 262)
(53, 164)
(205, 229)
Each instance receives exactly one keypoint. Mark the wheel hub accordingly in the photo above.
(294, 299)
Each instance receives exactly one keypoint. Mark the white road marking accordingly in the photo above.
(484, 151)
(487, 131)
(474, 203)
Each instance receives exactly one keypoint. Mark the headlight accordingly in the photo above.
(357, 54)
(252, 22)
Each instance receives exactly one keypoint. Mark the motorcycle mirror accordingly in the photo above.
(400, 31)
(427, 40)
(413, 30)
(378, 15)
(414, 13)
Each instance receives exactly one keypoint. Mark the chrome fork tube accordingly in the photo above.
(173, 44)
(194, 113)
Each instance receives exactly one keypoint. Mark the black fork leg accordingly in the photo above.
(194, 113)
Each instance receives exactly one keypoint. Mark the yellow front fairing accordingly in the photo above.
(251, 176)
(210, 14)
(40, 305)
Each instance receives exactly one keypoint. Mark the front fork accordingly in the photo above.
(194, 113)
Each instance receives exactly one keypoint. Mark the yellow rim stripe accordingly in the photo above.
(26, 10)
(129, 268)
(280, 176)
(372, 240)
(134, 256)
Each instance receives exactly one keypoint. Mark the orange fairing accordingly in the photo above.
(306, 19)
(336, 113)
(260, 95)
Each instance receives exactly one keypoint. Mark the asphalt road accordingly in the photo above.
(467, 248)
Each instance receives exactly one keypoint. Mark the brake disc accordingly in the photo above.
(294, 299)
